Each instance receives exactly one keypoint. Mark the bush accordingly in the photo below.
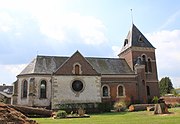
(61, 114)
(104, 107)
(174, 105)
(120, 105)
(155, 99)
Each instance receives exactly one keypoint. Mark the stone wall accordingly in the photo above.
(63, 92)
(33, 94)
(171, 100)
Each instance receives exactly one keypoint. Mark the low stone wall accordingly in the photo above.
(171, 100)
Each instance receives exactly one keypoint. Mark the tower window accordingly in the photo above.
(144, 62)
(149, 65)
(143, 82)
(125, 42)
(24, 89)
(43, 89)
(148, 90)
(140, 38)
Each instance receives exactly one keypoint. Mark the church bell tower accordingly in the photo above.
(138, 51)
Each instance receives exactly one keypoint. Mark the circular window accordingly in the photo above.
(77, 85)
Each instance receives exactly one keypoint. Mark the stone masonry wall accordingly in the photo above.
(63, 92)
(34, 88)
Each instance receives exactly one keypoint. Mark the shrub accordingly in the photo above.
(120, 105)
(104, 107)
(61, 114)
(155, 99)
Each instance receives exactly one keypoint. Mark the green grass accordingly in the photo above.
(141, 117)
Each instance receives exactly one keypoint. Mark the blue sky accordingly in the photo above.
(94, 27)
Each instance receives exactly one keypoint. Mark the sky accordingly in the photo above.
(94, 27)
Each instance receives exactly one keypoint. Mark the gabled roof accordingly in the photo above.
(49, 65)
(136, 39)
(77, 57)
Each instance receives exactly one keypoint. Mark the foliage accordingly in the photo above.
(104, 107)
(155, 99)
(120, 105)
(175, 105)
(4, 100)
(89, 107)
(140, 117)
(165, 86)
(174, 92)
(61, 114)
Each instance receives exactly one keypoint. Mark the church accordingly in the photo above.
(49, 81)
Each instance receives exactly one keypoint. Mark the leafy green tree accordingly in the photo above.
(165, 86)
(174, 92)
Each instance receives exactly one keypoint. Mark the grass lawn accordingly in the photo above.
(141, 117)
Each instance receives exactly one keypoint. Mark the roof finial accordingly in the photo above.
(132, 16)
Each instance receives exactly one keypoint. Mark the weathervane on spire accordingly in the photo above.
(131, 16)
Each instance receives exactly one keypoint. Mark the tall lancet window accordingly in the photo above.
(24, 88)
(149, 65)
(148, 90)
(43, 89)
(144, 62)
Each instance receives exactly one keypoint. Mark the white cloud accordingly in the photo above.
(10, 71)
(167, 53)
(6, 22)
(176, 82)
(116, 50)
(59, 24)
(88, 29)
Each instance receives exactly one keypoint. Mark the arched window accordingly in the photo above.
(143, 82)
(77, 70)
(148, 90)
(24, 88)
(149, 65)
(120, 90)
(43, 89)
(105, 91)
(144, 62)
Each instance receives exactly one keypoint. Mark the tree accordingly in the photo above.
(165, 86)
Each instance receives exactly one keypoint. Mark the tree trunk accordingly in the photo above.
(161, 108)
(139, 107)
(30, 111)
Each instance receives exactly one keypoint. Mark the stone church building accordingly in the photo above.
(48, 81)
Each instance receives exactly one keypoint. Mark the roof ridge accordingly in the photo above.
(52, 56)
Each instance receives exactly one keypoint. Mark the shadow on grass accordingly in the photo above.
(111, 113)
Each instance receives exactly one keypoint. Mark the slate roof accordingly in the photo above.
(6, 89)
(136, 38)
(49, 64)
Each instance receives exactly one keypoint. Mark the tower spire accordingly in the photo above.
(132, 16)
